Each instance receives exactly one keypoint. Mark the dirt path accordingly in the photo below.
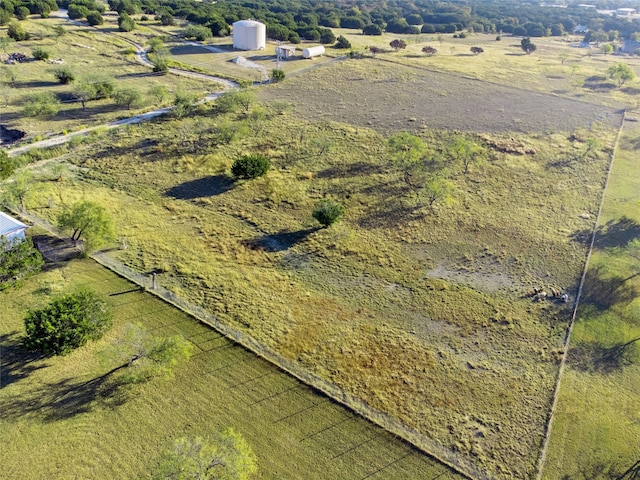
(141, 56)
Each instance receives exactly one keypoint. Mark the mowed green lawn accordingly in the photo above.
(56, 424)
(597, 424)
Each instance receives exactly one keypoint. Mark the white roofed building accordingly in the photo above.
(11, 229)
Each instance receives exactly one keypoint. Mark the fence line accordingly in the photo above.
(447, 457)
(563, 362)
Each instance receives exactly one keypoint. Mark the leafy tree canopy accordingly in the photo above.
(89, 221)
(67, 323)
(18, 261)
(223, 456)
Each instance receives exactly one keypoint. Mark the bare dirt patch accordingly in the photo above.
(391, 97)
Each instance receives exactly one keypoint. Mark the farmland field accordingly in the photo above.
(57, 410)
(439, 318)
(419, 314)
(398, 97)
(599, 406)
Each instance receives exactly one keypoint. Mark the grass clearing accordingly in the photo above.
(598, 413)
(420, 314)
(53, 410)
(581, 75)
(389, 96)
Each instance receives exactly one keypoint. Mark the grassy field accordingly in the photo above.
(598, 413)
(385, 95)
(556, 67)
(422, 314)
(89, 53)
(72, 425)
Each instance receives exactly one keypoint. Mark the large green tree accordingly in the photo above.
(141, 356)
(223, 456)
(7, 165)
(67, 323)
(18, 261)
(621, 72)
(88, 221)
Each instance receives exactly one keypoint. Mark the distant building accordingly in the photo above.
(626, 11)
(11, 229)
(587, 6)
(630, 46)
(581, 29)
(249, 35)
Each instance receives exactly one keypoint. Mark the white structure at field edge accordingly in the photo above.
(311, 52)
(249, 35)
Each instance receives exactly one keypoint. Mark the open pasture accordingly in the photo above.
(420, 314)
(388, 96)
(61, 419)
(557, 66)
(597, 420)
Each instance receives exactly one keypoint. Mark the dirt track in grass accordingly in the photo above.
(389, 97)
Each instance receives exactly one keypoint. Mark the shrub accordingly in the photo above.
(22, 13)
(198, 32)
(342, 42)
(16, 32)
(167, 19)
(94, 18)
(77, 12)
(41, 104)
(126, 23)
(327, 212)
(40, 53)
(277, 75)
(67, 323)
(372, 30)
(18, 260)
(64, 75)
(250, 166)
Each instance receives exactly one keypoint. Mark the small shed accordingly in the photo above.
(285, 51)
(313, 52)
(11, 229)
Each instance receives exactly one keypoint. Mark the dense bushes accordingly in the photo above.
(250, 166)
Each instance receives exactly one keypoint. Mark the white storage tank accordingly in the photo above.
(313, 52)
(249, 35)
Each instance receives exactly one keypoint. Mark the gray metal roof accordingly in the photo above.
(9, 225)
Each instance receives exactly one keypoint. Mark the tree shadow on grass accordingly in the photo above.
(600, 359)
(279, 242)
(17, 363)
(351, 170)
(201, 187)
(390, 214)
(69, 397)
(35, 84)
(601, 292)
(615, 233)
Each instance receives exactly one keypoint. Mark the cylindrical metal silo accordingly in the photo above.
(249, 35)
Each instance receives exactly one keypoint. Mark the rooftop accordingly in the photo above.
(9, 225)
